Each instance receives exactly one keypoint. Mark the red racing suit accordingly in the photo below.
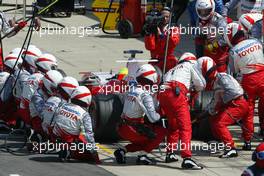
(247, 58)
(8, 110)
(174, 102)
(211, 43)
(227, 107)
(157, 46)
(138, 102)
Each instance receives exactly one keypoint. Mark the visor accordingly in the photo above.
(204, 12)
(260, 155)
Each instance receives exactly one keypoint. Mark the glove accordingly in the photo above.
(211, 109)
(37, 24)
(20, 26)
(162, 122)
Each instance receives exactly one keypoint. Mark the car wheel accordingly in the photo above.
(106, 111)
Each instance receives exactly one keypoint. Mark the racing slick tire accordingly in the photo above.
(105, 111)
(201, 128)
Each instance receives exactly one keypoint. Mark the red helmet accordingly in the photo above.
(259, 152)
(258, 155)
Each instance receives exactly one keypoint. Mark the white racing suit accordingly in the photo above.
(73, 123)
(73, 120)
(247, 58)
(143, 136)
(21, 77)
(29, 88)
(36, 107)
(174, 103)
(228, 106)
(139, 103)
(49, 112)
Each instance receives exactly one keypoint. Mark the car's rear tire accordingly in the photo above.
(106, 111)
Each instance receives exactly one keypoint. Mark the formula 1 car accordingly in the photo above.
(106, 107)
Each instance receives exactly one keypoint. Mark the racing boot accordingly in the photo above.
(4, 127)
(145, 160)
(120, 155)
(261, 132)
(36, 137)
(64, 155)
(188, 163)
(171, 157)
(229, 153)
(247, 146)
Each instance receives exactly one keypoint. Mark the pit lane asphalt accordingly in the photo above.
(45, 165)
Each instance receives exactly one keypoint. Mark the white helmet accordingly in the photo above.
(16, 51)
(12, 59)
(31, 55)
(51, 80)
(231, 33)
(249, 19)
(148, 72)
(206, 67)
(188, 57)
(46, 62)
(67, 86)
(81, 95)
(205, 8)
